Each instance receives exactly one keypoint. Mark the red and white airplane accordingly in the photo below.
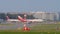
(29, 20)
(24, 19)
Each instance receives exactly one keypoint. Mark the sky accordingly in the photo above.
(29, 5)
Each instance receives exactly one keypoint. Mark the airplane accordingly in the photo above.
(29, 20)
(20, 19)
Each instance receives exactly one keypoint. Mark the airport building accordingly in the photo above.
(14, 15)
(46, 15)
(31, 15)
(59, 15)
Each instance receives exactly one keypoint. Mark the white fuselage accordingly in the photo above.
(37, 20)
(12, 20)
(32, 20)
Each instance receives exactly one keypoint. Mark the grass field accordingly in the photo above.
(36, 29)
(29, 32)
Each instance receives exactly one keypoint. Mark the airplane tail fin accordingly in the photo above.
(7, 17)
(20, 18)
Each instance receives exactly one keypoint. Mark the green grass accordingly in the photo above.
(7, 24)
(29, 32)
(46, 27)
(37, 29)
(22, 32)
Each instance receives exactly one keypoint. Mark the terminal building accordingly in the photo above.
(14, 15)
(59, 15)
(46, 15)
(31, 15)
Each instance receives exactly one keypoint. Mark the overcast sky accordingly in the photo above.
(29, 5)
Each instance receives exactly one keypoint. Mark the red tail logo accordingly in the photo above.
(21, 19)
(7, 17)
